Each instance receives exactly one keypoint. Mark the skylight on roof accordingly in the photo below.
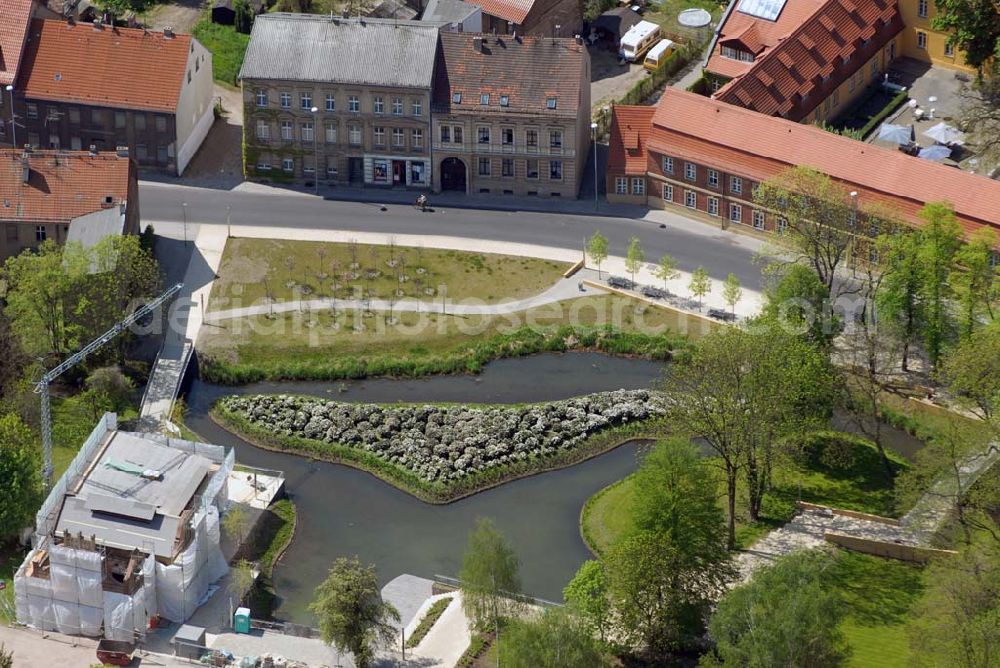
(550, 103)
(504, 100)
(456, 98)
(768, 10)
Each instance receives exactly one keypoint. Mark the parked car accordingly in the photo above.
(655, 293)
(621, 283)
(719, 314)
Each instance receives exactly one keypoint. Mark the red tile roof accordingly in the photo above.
(14, 18)
(528, 71)
(630, 128)
(767, 33)
(122, 67)
(509, 10)
(757, 147)
(62, 185)
(778, 81)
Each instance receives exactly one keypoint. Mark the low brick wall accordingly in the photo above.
(849, 513)
(577, 266)
(899, 551)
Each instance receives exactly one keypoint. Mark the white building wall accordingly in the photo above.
(195, 112)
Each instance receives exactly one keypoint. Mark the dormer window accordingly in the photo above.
(484, 98)
(456, 98)
(737, 54)
(550, 103)
(504, 100)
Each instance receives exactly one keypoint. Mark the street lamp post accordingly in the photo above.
(229, 229)
(315, 113)
(854, 232)
(13, 123)
(184, 210)
(593, 132)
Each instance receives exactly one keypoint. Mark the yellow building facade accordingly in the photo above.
(920, 41)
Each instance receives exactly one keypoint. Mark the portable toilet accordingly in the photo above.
(241, 620)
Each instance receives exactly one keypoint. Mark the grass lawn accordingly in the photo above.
(880, 595)
(857, 483)
(10, 559)
(297, 269)
(324, 345)
(665, 13)
(227, 46)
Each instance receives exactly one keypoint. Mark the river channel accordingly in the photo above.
(343, 511)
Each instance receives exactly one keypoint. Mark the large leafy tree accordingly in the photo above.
(744, 391)
(491, 583)
(798, 298)
(977, 280)
(556, 639)
(980, 111)
(351, 613)
(821, 220)
(20, 475)
(898, 301)
(972, 370)
(940, 239)
(783, 617)
(587, 595)
(973, 27)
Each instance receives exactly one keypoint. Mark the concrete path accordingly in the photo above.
(750, 303)
(806, 531)
(447, 639)
(184, 324)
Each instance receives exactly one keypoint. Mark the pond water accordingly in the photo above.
(346, 512)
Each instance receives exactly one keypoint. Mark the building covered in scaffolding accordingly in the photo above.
(130, 532)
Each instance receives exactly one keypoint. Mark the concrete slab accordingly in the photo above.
(408, 594)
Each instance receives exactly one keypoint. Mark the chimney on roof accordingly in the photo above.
(98, 25)
(579, 39)
(122, 151)
(477, 43)
(25, 167)
(168, 33)
(93, 149)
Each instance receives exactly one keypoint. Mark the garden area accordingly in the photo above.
(868, 111)
(227, 45)
(256, 271)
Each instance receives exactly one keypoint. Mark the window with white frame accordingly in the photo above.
(456, 134)
(263, 165)
(445, 134)
(285, 99)
(331, 102)
(353, 104)
(922, 8)
(690, 171)
(484, 134)
(397, 106)
(397, 137)
(713, 178)
(531, 168)
(306, 100)
(331, 133)
(263, 130)
(41, 233)
(507, 167)
(354, 134)
(507, 136)
(690, 199)
(417, 138)
(758, 219)
(331, 166)
(921, 39)
(485, 167)
(286, 130)
(417, 108)
(668, 192)
(949, 49)
(378, 136)
(668, 165)
(378, 104)
(484, 98)
(737, 54)
(531, 138)
(555, 170)
(781, 226)
(621, 185)
(713, 206)
(638, 185)
(736, 185)
(736, 213)
(288, 164)
(555, 138)
(261, 97)
(307, 131)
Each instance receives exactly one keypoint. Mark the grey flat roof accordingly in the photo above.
(448, 11)
(310, 47)
(126, 510)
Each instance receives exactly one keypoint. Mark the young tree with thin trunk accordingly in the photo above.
(351, 613)
(241, 580)
(977, 280)
(597, 250)
(700, 285)
(972, 371)
(634, 257)
(491, 583)
(666, 269)
(732, 293)
(236, 524)
(898, 299)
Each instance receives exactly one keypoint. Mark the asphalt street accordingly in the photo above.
(692, 243)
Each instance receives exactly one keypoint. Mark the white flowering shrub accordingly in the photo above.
(446, 443)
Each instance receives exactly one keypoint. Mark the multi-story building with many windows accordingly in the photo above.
(341, 100)
(707, 157)
(511, 115)
(922, 41)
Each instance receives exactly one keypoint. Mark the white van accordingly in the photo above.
(658, 54)
(638, 40)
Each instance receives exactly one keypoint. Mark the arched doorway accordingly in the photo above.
(453, 174)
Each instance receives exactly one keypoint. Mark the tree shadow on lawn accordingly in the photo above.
(877, 591)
